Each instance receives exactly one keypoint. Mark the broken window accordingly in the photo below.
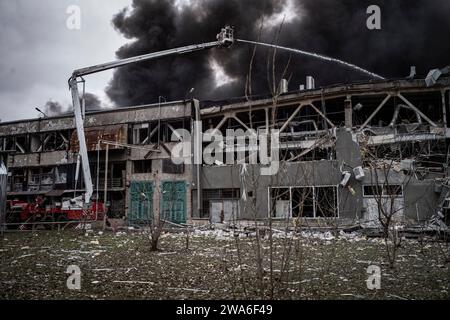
(35, 142)
(61, 176)
(230, 193)
(171, 126)
(372, 190)
(303, 155)
(306, 136)
(141, 133)
(207, 196)
(117, 205)
(49, 143)
(326, 202)
(9, 144)
(35, 179)
(393, 190)
(306, 202)
(12, 144)
(303, 202)
(171, 168)
(18, 180)
(220, 204)
(253, 119)
(213, 123)
(281, 200)
(47, 178)
(156, 131)
(142, 166)
(63, 140)
(383, 190)
(21, 144)
(116, 174)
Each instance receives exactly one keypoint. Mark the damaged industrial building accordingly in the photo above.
(347, 153)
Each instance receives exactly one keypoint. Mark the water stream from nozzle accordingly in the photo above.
(315, 55)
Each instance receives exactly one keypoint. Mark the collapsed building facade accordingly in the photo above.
(346, 152)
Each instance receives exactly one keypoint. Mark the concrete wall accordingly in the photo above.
(41, 159)
(316, 173)
(292, 174)
(95, 119)
(420, 200)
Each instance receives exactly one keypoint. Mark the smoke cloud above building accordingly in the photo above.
(412, 33)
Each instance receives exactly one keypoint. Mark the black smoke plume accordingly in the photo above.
(92, 102)
(54, 108)
(413, 33)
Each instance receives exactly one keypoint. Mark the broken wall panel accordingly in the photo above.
(98, 118)
(115, 133)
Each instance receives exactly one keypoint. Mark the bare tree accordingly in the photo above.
(278, 261)
(388, 182)
(155, 221)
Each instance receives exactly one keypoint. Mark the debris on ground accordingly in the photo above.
(218, 265)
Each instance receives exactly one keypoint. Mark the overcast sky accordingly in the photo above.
(38, 52)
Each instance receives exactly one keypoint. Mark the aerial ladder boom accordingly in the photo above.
(224, 39)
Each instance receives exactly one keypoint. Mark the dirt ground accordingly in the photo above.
(217, 265)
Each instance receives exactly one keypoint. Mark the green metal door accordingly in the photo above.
(173, 206)
(141, 202)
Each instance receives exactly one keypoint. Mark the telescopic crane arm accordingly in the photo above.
(224, 39)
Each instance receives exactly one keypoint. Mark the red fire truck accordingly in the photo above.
(24, 215)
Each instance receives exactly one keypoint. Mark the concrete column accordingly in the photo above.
(348, 112)
(129, 172)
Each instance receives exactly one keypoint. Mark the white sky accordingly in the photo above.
(38, 52)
